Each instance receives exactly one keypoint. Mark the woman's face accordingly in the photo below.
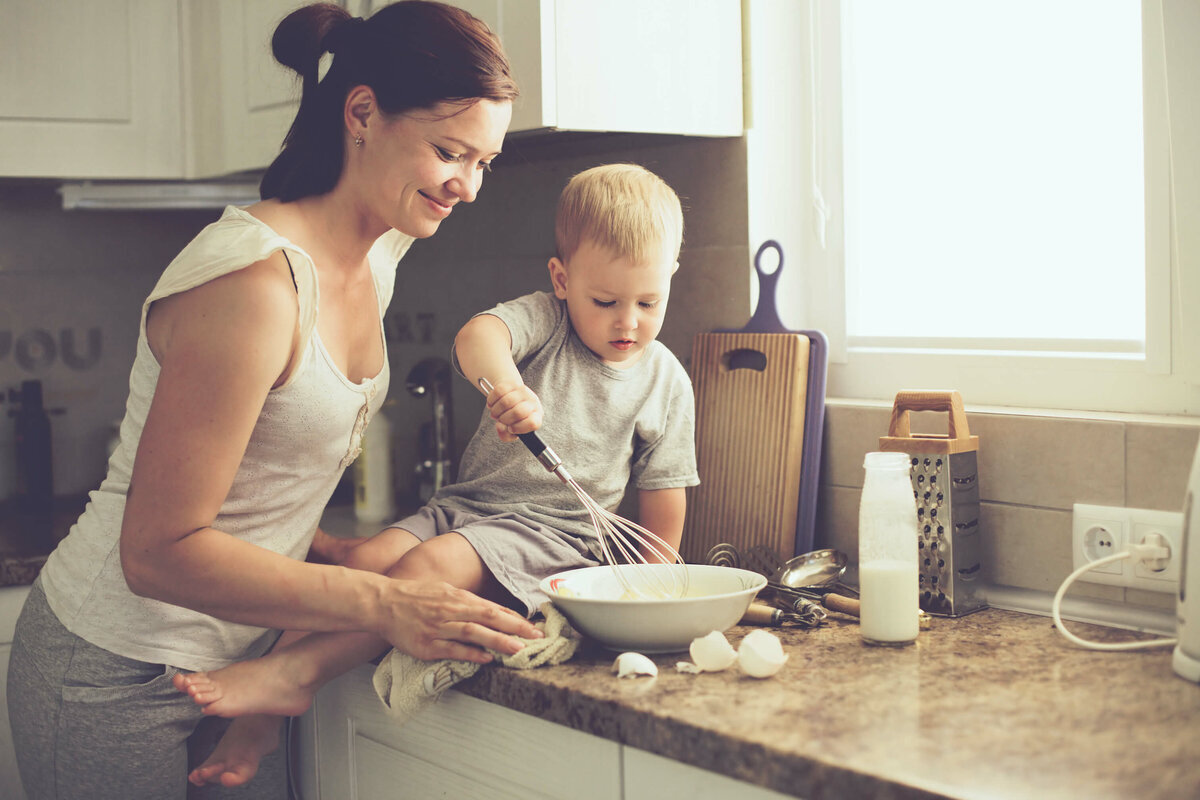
(417, 166)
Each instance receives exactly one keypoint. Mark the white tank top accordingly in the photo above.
(309, 431)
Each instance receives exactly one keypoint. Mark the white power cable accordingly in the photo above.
(1142, 552)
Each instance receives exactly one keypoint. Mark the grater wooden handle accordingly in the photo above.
(931, 400)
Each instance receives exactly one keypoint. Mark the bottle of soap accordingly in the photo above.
(374, 488)
(887, 552)
(35, 478)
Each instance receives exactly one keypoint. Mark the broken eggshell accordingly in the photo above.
(760, 654)
(631, 665)
(713, 653)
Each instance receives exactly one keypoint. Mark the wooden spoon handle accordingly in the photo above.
(839, 602)
(760, 614)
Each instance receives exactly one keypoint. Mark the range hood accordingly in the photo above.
(158, 196)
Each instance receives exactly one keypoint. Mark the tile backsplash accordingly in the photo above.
(71, 290)
(72, 283)
(1032, 470)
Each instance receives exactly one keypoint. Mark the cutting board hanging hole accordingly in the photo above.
(744, 358)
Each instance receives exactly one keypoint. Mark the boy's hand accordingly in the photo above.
(515, 408)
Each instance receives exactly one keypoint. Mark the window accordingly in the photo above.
(993, 174)
(990, 198)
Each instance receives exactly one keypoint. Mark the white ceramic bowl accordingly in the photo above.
(592, 598)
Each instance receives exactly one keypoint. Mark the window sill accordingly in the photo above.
(1053, 413)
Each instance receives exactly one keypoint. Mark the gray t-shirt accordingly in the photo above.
(606, 424)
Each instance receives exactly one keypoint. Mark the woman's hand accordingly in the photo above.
(515, 408)
(431, 620)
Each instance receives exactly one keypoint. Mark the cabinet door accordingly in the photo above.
(91, 89)
(10, 780)
(651, 777)
(240, 100)
(456, 747)
(631, 66)
(669, 66)
(12, 598)
(526, 29)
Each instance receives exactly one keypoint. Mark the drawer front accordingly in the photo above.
(456, 747)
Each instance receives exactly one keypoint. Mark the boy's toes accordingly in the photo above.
(226, 773)
(237, 774)
(205, 773)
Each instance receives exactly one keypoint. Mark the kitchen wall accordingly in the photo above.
(71, 289)
(1033, 466)
(72, 283)
(71, 286)
(499, 248)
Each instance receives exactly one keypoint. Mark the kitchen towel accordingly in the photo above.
(405, 684)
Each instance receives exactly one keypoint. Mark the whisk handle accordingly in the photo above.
(542, 451)
(534, 443)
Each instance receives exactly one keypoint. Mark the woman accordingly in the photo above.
(260, 361)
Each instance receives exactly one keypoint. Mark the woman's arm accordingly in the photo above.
(221, 347)
(661, 512)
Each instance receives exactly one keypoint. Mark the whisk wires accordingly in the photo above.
(623, 543)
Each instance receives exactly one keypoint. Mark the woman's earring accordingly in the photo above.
(358, 140)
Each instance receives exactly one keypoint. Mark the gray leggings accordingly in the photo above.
(90, 724)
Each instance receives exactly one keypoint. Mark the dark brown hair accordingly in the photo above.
(414, 54)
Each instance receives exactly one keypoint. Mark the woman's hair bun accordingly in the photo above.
(413, 54)
(343, 35)
(301, 37)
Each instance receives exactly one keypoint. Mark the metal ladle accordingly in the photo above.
(815, 575)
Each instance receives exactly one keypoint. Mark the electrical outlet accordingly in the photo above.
(1097, 531)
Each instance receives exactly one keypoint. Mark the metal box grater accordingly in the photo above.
(945, 477)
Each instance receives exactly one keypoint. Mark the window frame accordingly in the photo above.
(1165, 380)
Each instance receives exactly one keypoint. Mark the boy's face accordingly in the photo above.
(616, 306)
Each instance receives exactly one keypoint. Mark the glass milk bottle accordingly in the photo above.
(887, 552)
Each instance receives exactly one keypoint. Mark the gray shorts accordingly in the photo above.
(518, 552)
(89, 724)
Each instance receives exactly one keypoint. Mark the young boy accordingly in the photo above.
(616, 403)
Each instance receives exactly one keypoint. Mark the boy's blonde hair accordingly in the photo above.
(624, 208)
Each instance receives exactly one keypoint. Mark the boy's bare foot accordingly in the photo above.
(273, 684)
(236, 757)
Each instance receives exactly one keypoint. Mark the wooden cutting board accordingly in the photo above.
(760, 399)
(751, 391)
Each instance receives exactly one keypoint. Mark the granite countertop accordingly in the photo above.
(996, 704)
(993, 705)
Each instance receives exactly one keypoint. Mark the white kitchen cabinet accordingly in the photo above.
(457, 747)
(169, 89)
(668, 66)
(240, 101)
(142, 89)
(647, 776)
(11, 600)
(461, 746)
(91, 89)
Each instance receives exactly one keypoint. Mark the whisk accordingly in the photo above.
(621, 540)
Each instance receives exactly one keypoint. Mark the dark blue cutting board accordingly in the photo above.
(766, 320)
